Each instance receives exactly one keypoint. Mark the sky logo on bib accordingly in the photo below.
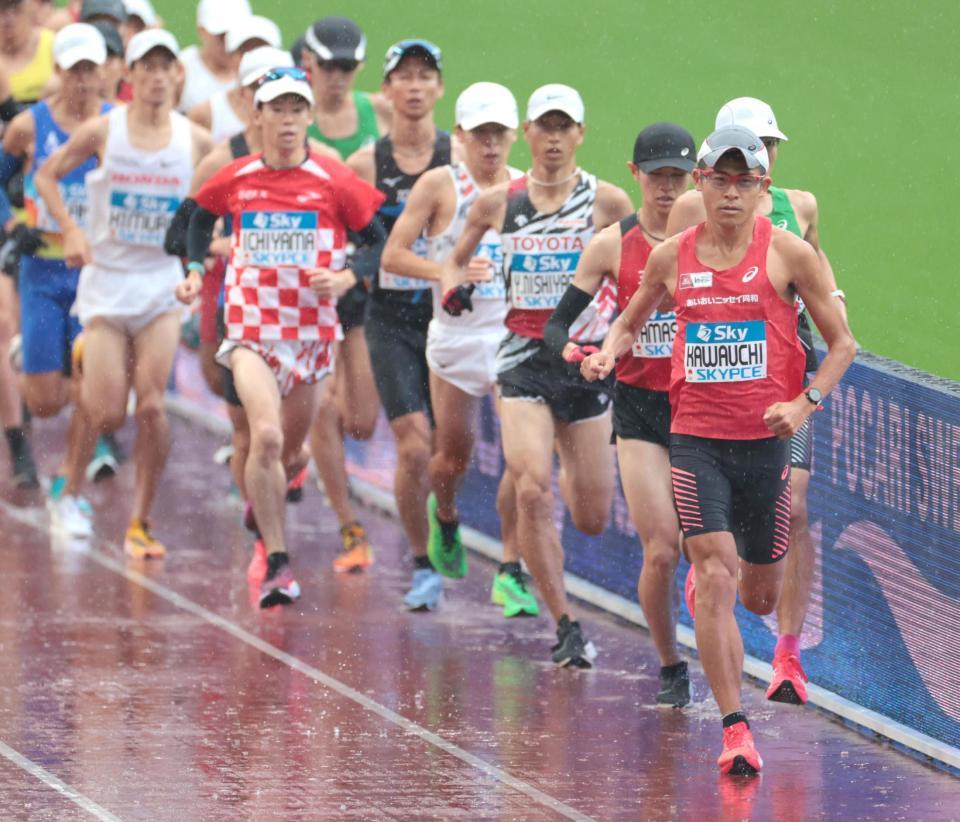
(655, 341)
(725, 352)
(140, 219)
(750, 273)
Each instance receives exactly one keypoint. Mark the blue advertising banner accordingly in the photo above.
(883, 628)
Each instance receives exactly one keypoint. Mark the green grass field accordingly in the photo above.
(868, 94)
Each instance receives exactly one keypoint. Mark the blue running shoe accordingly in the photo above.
(104, 464)
(426, 592)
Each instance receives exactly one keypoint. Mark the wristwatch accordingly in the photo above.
(813, 395)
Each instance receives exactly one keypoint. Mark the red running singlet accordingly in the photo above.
(647, 364)
(737, 350)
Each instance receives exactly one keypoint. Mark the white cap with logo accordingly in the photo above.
(78, 42)
(252, 27)
(285, 82)
(150, 39)
(217, 16)
(555, 97)
(734, 138)
(750, 113)
(486, 103)
(142, 9)
(254, 64)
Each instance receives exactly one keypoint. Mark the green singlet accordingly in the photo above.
(367, 129)
(782, 214)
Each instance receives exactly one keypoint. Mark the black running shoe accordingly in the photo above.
(572, 648)
(674, 686)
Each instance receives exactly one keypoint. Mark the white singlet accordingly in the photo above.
(224, 122)
(200, 83)
(133, 196)
(462, 350)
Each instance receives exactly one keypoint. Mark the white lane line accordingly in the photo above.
(58, 785)
(309, 671)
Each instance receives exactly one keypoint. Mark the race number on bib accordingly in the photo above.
(655, 340)
(276, 239)
(140, 219)
(725, 352)
(397, 282)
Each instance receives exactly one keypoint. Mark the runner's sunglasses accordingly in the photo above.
(398, 51)
(281, 72)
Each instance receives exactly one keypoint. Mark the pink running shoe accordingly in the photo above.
(279, 589)
(257, 569)
(788, 680)
(690, 591)
(739, 757)
(295, 486)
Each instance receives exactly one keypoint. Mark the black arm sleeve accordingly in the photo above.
(9, 109)
(175, 241)
(557, 333)
(369, 242)
(200, 234)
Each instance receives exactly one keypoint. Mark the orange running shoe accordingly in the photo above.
(690, 591)
(788, 678)
(357, 553)
(140, 544)
(257, 569)
(739, 756)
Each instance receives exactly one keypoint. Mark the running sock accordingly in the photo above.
(421, 563)
(732, 719)
(276, 561)
(512, 568)
(787, 644)
(16, 439)
(673, 670)
(448, 530)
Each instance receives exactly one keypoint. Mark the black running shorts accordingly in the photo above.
(639, 414)
(545, 378)
(352, 307)
(398, 356)
(740, 486)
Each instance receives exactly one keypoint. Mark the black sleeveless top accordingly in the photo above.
(413, 306)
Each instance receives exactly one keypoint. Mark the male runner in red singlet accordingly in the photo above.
(291, 211)
(795, 211)
(663, 157)
(545, 219)
(737, 395)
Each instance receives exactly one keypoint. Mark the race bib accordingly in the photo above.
(140, 219)
(655, 340)
(541, 268)
(493, 290)
(397, 282)
(725, 352)
(281, 239)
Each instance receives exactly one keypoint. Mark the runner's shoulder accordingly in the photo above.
(363, 162)
(804, 203)
(790, 246)
(612, 204)
(664, 255)
(316, 147)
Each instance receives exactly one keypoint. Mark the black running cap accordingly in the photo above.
(336, 38)
(664, 145)
(111, 36)
(105, 8)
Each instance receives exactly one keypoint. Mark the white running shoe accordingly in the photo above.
(72, 516)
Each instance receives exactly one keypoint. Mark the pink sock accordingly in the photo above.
(788, 644)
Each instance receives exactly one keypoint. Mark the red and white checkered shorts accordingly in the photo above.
(293, 362)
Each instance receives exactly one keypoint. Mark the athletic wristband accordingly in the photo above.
(200, 268)
(838, 293)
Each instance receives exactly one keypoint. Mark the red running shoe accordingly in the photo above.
(788, 678)
(257, 569)
(295, 486)
(739, 757)
(690, 591)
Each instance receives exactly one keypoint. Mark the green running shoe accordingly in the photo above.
(448, 557)
(510, 591)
